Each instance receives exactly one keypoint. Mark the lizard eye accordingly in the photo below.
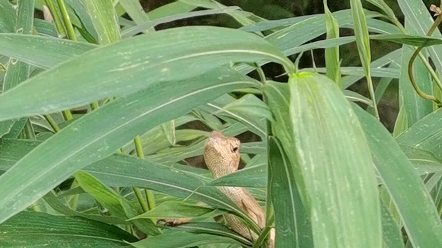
(234, 148)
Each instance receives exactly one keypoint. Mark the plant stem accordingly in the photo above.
(56, 17)
(433, 74)
(150, 200)
(51, 122)
(66, 20)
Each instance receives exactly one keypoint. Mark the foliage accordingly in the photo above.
(98, 113)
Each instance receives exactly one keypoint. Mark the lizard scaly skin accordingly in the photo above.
(221, 155)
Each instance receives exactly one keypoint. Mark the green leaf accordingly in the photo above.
(414, 40)
(18, 71)
(102, 132)
(390, 230)
(290, 214)
(390, 58)
(179, 209)
(363, 44)
(277, 96)
(180, 239)
(420, 140)
(32, 49)
(249, 110)
(116, 204)
(7, 18)
(117, 69)
(135, 11)
(415, 107)
(335, 163)
(85, 25)
(54, 203)
(150, 24)
(332, 54)
(421, 221)
(124, 171)
(104, 19)
(104, 195)
(420, 20)
(170, 9)
(254, 175)
(33, 229)
(384, 7)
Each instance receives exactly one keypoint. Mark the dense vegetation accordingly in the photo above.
(101, 112)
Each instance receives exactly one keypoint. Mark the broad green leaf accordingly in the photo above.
(155, 139)
(150, 24)
(116, 204)
(124, 171)
(104, 195)
(16, 129)
(217, 229)
(252, 176)
(390, 230)
(85, 25)
(54, 203)
(375, 72)
(33, 229)
(104, 19)
(45, 28)
(335, 163)
(170, 9)
(135, 11)
(240, 17)
(328, 43)
(421, 140)
(43, 52)
(384, 7)
(103, 131)
(414, 40)
(249, 110)
(420, 20)
(421, 221)
(169, 131)
(277, 96)
(7, 18)
(180, 239)
(227, 106)
(117, 69)
(355, 97)
(18, 71)
(179, 209)
(390, 58)
(427, 159)
(290, 213)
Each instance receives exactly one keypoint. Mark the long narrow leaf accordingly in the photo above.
(102, 132)
(117, 69)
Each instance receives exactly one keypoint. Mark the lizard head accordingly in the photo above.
(221, 154)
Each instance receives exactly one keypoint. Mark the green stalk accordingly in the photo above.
(66, 20)
(433, 74)
(57, 19)
(29, 131)
(150, 204)
(51, 122)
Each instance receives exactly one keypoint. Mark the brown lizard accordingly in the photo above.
(221, 155)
